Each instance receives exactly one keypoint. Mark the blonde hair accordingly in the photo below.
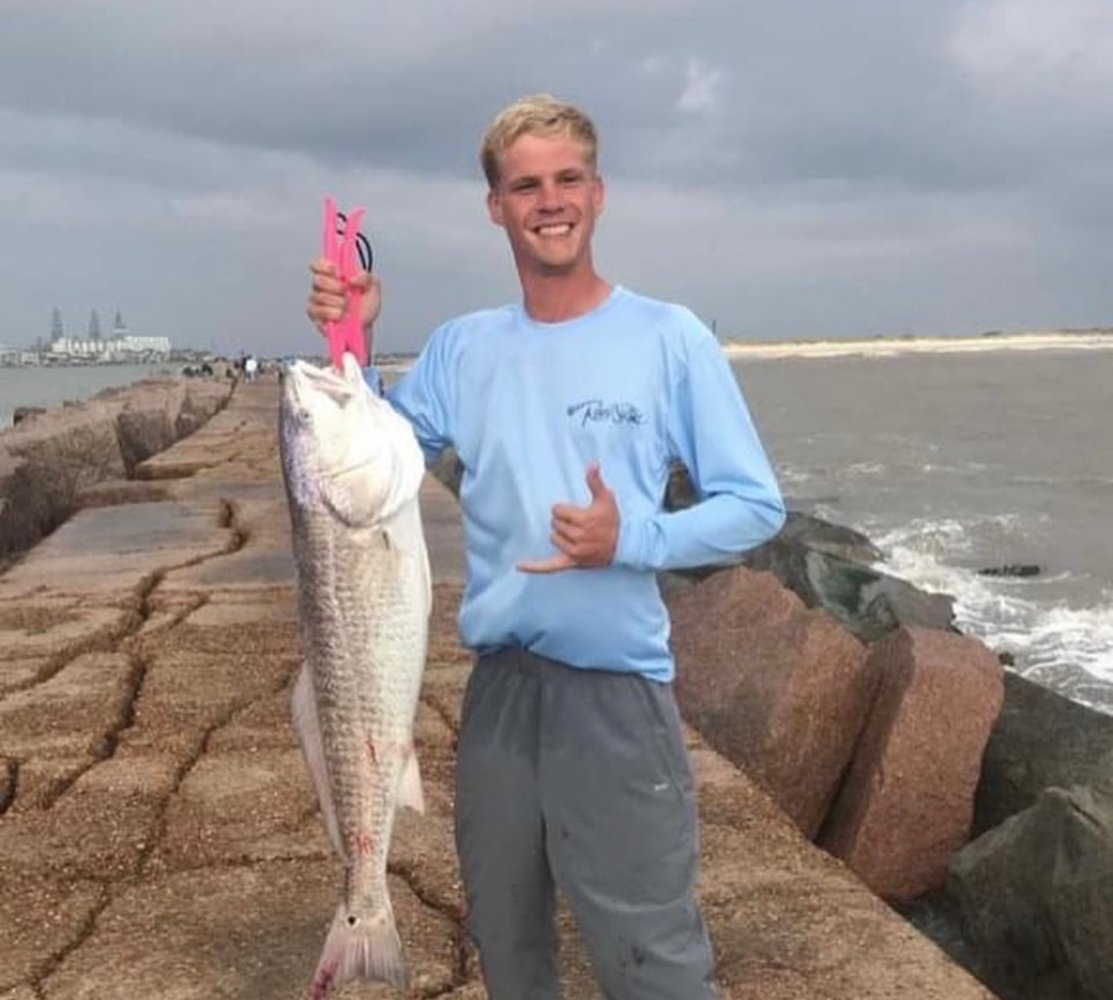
(537, 114)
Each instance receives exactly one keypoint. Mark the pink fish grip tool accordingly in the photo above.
(341, 243)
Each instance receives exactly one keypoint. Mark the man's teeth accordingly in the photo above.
(563, 229)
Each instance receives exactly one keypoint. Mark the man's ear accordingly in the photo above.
(599, 194)
(494, 207)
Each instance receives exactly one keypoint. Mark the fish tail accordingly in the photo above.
(359, 947)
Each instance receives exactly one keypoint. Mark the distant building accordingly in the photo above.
(17, 357)
(122, 346)
(143, 345)
(118, 348)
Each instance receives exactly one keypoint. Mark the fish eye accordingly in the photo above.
(304, 416)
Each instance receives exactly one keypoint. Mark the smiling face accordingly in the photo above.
(547, 197)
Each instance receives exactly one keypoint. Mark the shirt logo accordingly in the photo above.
(596, 410)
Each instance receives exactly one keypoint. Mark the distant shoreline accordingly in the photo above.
(1042, 340)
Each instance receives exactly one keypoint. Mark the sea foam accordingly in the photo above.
(1069, 649)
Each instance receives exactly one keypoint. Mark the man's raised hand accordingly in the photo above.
(328, 295)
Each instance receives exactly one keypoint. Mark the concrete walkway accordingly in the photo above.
(159, 838)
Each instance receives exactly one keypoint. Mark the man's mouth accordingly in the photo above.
(554, 229)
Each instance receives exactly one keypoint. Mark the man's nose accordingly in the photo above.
(548, 199)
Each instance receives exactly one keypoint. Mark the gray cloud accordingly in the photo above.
(800, 169)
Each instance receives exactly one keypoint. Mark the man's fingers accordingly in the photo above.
(569, 516)
(554, 564)
(360, 281)
(595, 481)
(566, 539)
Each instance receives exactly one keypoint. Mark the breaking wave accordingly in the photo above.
(1066, 648)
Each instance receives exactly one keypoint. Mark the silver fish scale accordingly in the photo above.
(364, 613)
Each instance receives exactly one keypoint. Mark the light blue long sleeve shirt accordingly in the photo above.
(528, 406)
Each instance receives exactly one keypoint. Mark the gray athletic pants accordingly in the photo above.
(578, 778)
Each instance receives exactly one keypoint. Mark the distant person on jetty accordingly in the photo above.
(565, 410)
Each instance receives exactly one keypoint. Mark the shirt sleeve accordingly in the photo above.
(424, 397)
(740, 505)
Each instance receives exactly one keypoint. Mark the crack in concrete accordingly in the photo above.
(114, 888)
(454, 915)
(103, 640)
(433, 702)
(110, 638)
(11, 767)
(84, 932)
(105, 747)
(191, 761)
(111, 740)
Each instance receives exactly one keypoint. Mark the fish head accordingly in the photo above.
(343, 448)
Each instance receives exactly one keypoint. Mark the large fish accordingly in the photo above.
(352, 470)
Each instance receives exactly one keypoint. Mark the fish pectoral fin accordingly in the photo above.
(303, 706)
(410, 792)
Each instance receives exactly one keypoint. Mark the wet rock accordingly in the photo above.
(1011, 569)
(831, 567)
(1036, 897)
(1040, 740)
(907, 802)
(869, 603)
(781, 691)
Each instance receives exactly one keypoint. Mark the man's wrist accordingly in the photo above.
(627, 549)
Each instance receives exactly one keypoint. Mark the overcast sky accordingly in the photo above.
(808, 168)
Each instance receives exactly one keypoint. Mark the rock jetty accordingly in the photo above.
(52, 456)
(158, 833)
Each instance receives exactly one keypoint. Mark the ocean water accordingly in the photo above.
(54, 385)
(956, 463)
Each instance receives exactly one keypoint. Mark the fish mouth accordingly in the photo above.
(304, 380)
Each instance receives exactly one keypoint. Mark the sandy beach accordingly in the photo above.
(1041, 340)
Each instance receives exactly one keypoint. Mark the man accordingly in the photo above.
(566, 411)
